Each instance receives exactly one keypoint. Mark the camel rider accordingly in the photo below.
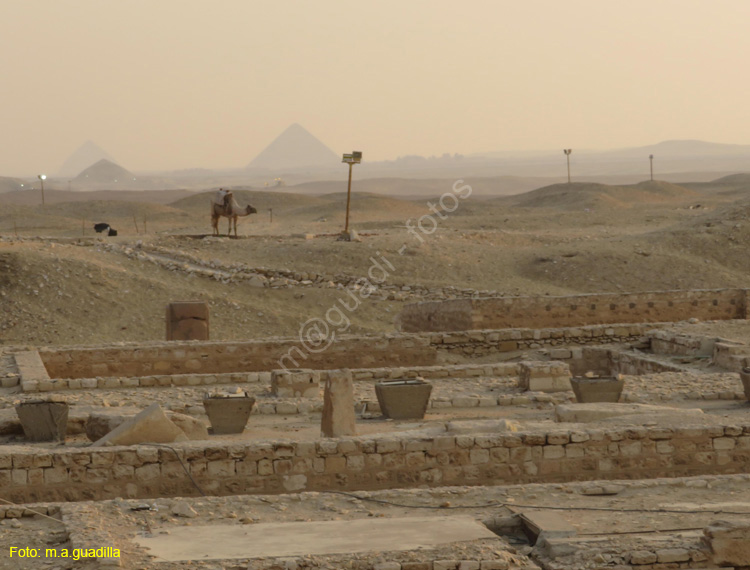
(221, 196)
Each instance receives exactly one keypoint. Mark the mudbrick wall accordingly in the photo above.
(361, 463)
(391, 351)
(223, 357)
(577, 310)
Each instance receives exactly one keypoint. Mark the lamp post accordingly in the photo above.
(351, 159)
(567, 152)
(651, 160)
(42, 178)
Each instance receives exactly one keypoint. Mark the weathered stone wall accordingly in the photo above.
(358, 463)
(157, 361)
(36, 384)
(481, 342)
(223, 357)
(577, 310)
(731, 355)
(607, 362)
(670, 342)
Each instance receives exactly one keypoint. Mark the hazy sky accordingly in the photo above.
(167, 84)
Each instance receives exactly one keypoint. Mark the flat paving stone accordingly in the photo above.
(220, 542)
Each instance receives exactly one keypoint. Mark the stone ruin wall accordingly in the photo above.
(572, 311)
(154, 362)
(361, 463)
(225, 357)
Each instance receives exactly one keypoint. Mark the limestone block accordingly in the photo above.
(151, 425)
(184, 509)
(187, 320)
(481, 426)
(729, 542)
(544, 376)
(100, 424)
(30, 366)
(667, 555)
(584, 413)
(193, 428)
(297, 383)
(338, 405)
(640, 557)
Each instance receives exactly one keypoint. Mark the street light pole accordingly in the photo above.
(42, 178)
(651, 160)
(567, 152)
(351, 159)
(348, 197)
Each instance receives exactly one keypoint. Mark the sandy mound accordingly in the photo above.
(580, 196)
(734, 185)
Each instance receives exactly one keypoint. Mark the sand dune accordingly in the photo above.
(581, 195)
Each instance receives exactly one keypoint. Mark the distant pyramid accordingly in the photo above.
(295, 148)
(105, 172)
(87, 154)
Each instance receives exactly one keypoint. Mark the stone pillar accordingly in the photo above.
(338, 405)
(187, 320)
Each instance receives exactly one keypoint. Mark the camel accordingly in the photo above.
(225, 205)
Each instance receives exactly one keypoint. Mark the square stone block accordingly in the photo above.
(187, 320)
(296, 383)
(544, 376)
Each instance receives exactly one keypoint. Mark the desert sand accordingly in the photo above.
(563, 239)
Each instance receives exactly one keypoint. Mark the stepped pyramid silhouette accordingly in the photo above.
(295, 148)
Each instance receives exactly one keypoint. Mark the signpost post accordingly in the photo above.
(351, 159)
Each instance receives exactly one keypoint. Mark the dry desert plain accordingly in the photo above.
(558, 240)
(62, 284)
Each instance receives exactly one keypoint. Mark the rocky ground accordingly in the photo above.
(612, 522)
(77, 287)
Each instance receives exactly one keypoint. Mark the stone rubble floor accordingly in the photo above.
(618, 525)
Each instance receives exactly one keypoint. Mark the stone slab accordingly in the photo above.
(31, 367)
(187, 320)
(150, 426)
(584, 413)
(481, 426)
(223, 542)
(549, 385)
(545, 524)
